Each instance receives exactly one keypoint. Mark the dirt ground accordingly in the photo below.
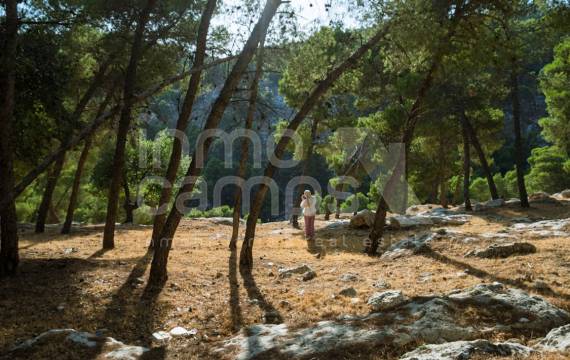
(68, 282)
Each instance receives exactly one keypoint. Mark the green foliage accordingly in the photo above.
(479, 190)
(222, 211)
(547, 172)
(355, 202)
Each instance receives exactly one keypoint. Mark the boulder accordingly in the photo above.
(543, 229)
(465, 350)
(349, 277)
(309, 275)
(565, 194)
(363, 219)
(411, 245)
(542, 197)
(386, 300)
(494, 203)
(419, 209)
(503, 250)
(107, 347)
(407, 221)
(513, 202)
(556, 340)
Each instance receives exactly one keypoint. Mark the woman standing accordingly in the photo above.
(309, 205)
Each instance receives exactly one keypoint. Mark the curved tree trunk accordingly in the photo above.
(9, 257)
(466, 166)
(158, 270)
(128, 205)
(183, 120)
(519, 152)
(482, 159)
(246, 254)
(45, 204)
(252, 108)
(124, 123)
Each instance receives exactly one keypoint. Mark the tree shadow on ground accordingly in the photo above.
(484, 275)
(45, 294)
(235, 309)
(271, 314)
(132, 313)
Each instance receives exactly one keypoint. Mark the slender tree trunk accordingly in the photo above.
(90, 129)
(158, 270)
(482, 159)
(304, 171)
(519, 152)
(457, 192)
(128, 205)
(466, 166)
(246, 255)
(377, 230)
(124, 123)
(9, 257)
(183, 120)
(443, 194)
(51, 183)
(66, 229)
(252, 108)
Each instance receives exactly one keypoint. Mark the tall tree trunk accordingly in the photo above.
(128, 205)
(66, 228)
(443, 194)
(45, 204)
(158, 270)
(377, 230)
(124, 123)
(9, 257)
(519, 151)
(252, 108)
(183, 119)
(482, 159)
(466, 166)
(304, 171)
(246, 255)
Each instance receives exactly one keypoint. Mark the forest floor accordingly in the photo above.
(69, 282)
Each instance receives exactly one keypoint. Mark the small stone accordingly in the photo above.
(180, 331)
(309, 275)
(348, 292)
(285, 304)
(523, 320)
(381, 284)
(161, 336)
(386, 300)
(295, 270)
(219, 275)
(61, 307)
(349, 277)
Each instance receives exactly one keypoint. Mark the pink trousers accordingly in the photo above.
(309, 226)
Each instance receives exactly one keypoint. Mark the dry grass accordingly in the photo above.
(99, 289)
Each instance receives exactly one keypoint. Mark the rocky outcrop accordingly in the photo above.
(381, 301)
(465, 350)
(106, 347)
(302, 269)
(541, 229)
(542, 197)
(503, 250)
(430, 320)
(556, 340)
(412, 245)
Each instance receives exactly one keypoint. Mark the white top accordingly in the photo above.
(309, 206)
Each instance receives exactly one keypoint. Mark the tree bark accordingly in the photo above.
(482, 159)
(246, 255)
(519, 152)
(45, 204)
(158, 271)
(9, 257)
(252, 108)
(466, 165)
(123, 129)
(183, 120)
(128, 205)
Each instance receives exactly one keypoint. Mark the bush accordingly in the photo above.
(479, 190)
(143, 216)
(355, 202)
(328, 201)
(25, 211)
(547, 170)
